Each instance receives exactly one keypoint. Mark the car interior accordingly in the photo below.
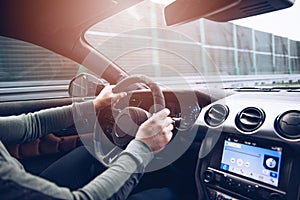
(236, 129)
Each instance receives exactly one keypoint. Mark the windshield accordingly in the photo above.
(231, 54)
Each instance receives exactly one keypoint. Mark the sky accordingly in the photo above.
(284, 22)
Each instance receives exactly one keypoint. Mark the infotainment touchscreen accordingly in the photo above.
(252, 160)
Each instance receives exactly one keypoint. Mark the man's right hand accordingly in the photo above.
(156, 132)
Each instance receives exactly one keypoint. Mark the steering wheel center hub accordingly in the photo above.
(128, 122)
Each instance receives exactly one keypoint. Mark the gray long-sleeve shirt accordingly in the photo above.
(116, 182)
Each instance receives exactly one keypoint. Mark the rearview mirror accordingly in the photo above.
(182, 11)
(85, 85)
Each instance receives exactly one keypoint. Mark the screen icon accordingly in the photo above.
(240, 162)
(247, 164)
(224, 166)
(271, 162)
(274, 175)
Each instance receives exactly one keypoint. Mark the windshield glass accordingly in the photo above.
(231, 54)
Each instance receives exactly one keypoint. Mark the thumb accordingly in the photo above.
(162, 114)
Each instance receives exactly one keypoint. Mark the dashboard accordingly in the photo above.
(250, 141)
(251, 147)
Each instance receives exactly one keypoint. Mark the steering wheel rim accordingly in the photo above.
(158, 97)
(130, 117)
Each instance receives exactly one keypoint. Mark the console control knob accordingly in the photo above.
(208, 176)
(276, 196)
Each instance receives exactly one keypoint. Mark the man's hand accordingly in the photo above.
(156, 132)
(107, 97)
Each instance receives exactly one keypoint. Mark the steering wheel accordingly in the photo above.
(126, 120)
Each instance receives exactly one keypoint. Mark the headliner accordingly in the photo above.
(58, 25)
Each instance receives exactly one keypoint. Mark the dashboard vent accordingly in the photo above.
(250, 119)
(288, 124)
(216, 115)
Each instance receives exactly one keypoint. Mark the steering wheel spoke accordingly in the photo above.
(106, 158)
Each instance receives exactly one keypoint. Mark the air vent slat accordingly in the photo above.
(250, 115)
(248, 122)
(220, 112)
(215, 118)
(216, 115)
(250, 119)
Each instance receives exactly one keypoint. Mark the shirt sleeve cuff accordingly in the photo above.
(140, 151)
(84, 116)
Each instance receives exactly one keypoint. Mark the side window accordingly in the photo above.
(28, 71)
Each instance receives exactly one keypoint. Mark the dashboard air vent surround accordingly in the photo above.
(287, 125)
(216, 115)
(250, 119)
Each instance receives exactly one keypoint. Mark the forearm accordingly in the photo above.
(116, 182)
(26, 127)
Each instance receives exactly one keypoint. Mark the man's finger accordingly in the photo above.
(168, 121)
(169, 128)
(163, 113)
(169, 136)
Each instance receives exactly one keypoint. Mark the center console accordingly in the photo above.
(241, 168)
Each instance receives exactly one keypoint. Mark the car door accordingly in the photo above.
(32, 79)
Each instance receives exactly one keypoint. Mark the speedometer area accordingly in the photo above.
(184, 106)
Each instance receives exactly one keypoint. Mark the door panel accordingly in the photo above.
(38, 154)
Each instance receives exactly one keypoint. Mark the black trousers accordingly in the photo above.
(77, 168)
